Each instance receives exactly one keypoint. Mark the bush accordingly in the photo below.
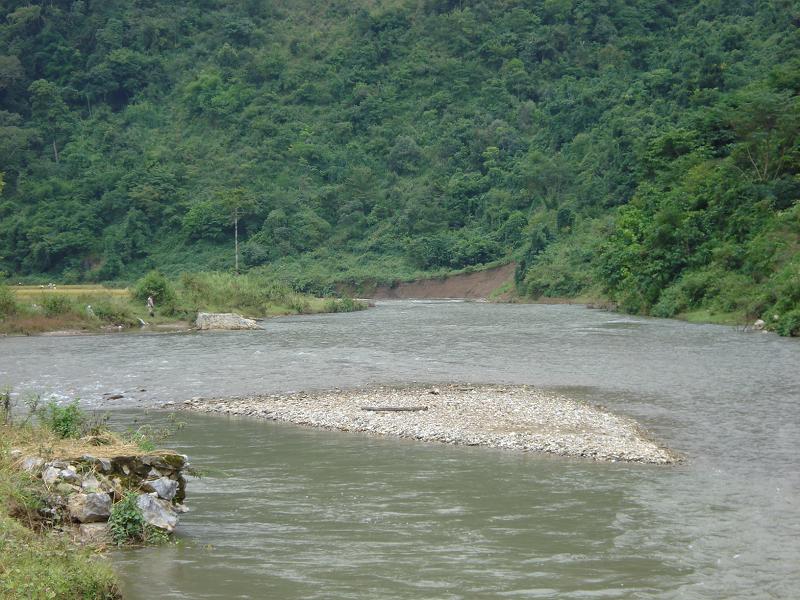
(126, 523)
(156, 285)
(337, 305)
(55, 305)
(789, 324)
(65, 421)
(672, 301)
(8, 303)
(112, 312)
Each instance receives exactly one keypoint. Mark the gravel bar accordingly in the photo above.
(496, 416)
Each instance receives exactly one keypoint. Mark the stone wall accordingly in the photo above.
(82, 491)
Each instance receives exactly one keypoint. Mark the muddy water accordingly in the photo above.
(288, 512)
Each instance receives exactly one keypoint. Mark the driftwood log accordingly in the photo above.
(394, 408)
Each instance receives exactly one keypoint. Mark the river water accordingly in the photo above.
(283, 511)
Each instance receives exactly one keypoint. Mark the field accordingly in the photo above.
(32, 292)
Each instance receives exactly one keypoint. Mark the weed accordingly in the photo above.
(65, 421)
(8, 303)
(128, 526)
(146, 436)
(5, 406)
(55, 305)
(126, 523)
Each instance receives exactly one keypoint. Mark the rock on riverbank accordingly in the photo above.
(512, 417)
(83, 490)
(224, 321)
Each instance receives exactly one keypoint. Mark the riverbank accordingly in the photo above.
(28, 310)
(496, 284)
(495, 416)
(64, 500)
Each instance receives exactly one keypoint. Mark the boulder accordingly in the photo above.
(759, 325)
(90, 508)
(164, 487)
(156, 512)
(228, 321)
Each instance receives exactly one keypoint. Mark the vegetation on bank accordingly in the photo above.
(37, 560)
(40, 555)
(34, 309)
(645, 151)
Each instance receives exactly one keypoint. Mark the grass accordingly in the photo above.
(35, 562)
(36, 292)
(705, 315)
(34, 566)
(38, 556)
(33, 309)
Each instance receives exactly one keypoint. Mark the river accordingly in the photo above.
(283, 511)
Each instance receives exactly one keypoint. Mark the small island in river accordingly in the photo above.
(496, 416)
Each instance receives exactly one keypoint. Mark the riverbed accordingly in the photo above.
(292, 512)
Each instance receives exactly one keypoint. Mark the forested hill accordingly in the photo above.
(642, 149)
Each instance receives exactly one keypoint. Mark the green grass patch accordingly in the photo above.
(36, 563)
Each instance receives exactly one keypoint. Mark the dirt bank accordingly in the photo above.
(476, 285)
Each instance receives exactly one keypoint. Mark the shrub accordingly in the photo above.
(156, 285)
(8, 304)
(113, 312)
(672, 301)
(56, 304)
(126, 523)
(5, 407)
(337, 305)
(789, 324)
(65, 421)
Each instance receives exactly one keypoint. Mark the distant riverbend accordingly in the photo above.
(510, 417)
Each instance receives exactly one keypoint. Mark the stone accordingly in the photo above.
(66, 489)
(163, 486)
(90, 484)
(94, 533)
(15, 454)
(156, 512)
(167, 461)
(50, 475)
(759, 325)
(90, 508)
(32, 463)
(226, 321)
(70, 475)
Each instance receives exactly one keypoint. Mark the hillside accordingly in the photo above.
(646, 151)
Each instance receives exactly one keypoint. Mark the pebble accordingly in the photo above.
(511, 417)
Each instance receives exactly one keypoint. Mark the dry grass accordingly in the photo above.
(32, 292)
(36, 562)
(36, 441)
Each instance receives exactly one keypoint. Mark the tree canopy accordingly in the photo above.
(648, 149)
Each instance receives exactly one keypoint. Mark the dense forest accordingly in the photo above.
(642, 150)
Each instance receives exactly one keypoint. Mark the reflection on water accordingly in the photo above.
(289, 512)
